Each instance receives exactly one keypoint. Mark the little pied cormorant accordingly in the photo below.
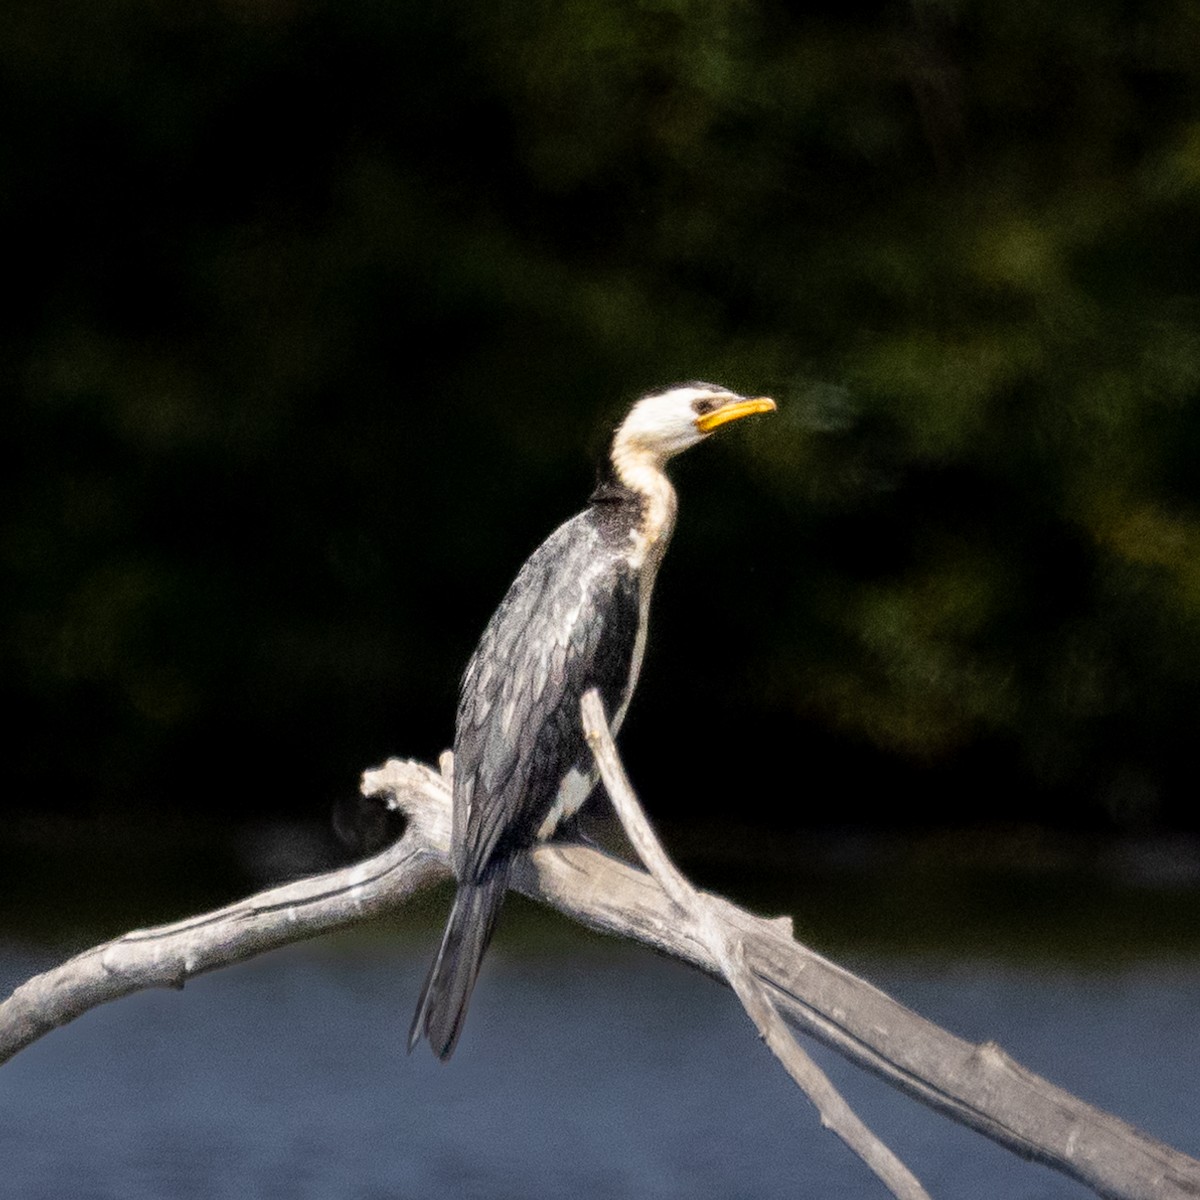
(573, 619)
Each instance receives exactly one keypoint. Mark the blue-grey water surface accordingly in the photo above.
(603, 1072)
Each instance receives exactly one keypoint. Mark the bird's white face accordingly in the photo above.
(664, 423)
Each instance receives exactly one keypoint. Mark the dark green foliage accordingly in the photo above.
(319, 309)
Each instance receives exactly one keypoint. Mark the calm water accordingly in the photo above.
(604, 1073)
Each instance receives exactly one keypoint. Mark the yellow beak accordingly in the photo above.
(733, 412)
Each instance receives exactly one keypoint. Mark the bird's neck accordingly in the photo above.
(641, 472)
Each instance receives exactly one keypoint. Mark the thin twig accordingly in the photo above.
(727, 949)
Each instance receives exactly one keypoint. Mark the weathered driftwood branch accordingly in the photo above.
(979, 1086)
(170, 955)
(727, 948)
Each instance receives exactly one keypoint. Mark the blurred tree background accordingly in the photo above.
(320, 312)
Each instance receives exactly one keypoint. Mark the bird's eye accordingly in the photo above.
(703, 405)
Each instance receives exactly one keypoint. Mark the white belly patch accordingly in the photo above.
(572, 792)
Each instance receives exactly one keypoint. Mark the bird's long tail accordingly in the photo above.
(442, 1008)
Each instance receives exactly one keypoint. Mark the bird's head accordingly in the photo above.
(664, 423)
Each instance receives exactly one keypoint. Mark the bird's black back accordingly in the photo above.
(568, 623)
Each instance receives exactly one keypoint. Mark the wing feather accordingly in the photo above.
(569, 622)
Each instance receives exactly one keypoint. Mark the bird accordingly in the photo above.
(574, 618)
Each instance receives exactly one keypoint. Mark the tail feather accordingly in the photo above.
(442, 1008)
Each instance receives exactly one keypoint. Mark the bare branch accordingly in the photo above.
(979, 1086)
(170, 955)
(726, 947)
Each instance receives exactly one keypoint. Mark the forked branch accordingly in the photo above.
(979, 1086)
(727, 949)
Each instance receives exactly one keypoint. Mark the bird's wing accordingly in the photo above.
(568, 623)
